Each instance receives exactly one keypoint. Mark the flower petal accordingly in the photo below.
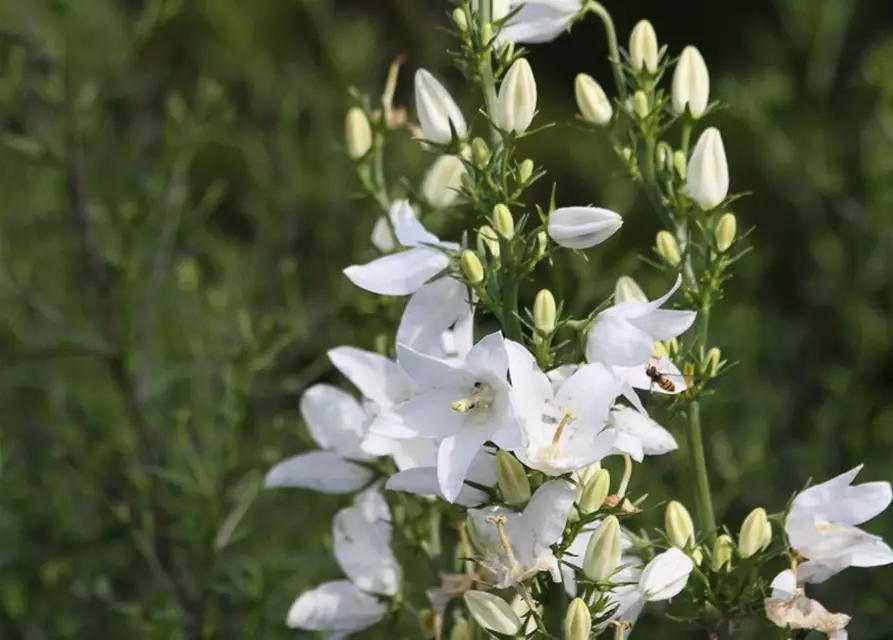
(398, 274)
(666, 575)
(615, 341)
(530, 386)
(363, 552)
(589, 393)
(406, 452)
(454, 458)
(323, 471)
(654, 438)
(430, 312)
(378, 378)
(426, 415)
(662, 324)
(582, 227)
(423, 481)
(335, 419)
(539, 21)
(409, 231)
(433, 373)
(335, 606)
(489, 356)
(546, 514)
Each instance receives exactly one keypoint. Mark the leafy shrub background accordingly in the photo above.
(147, 383)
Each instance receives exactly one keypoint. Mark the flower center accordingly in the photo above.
(499, 522)
(479, 398)
(553, 451)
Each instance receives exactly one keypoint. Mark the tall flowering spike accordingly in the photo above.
(443, 180)
(691, 83)
(643, 48)
(707, 181)
(516, 102)
(821, 526)
(593, 103)
(436, 109)
(582, 227)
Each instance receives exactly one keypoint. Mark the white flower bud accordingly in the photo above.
(712, 362)
(525, 171)
(582, 227)
(544, 311)
(357, 133)
(480, 152)
(665, 576)
(640, 105)
(628, 290)
(708, 171)
(460, 20)
(678, 524)
(725, 231)
(516, 102)
(691, 83)
(503, 221)
(643, 49)
(511, 477)
(680, 163)
(592, 101)
(722, 552)
(577, 621)
(492, 612)
(471, 267)
(595, 491)
(667, 248)
(755, 534)
(436, 109)
(487, 239)
(443, 180)
(462, 630)
(603, 550)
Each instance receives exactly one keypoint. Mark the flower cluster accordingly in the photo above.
(504, 437)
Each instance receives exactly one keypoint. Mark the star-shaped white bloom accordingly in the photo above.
(362, 537)
(821, 526)
(464, 404)
(789, 607)
(338, 424)
(624, 334)
(518, 546)
(403, 273)
(565, 429)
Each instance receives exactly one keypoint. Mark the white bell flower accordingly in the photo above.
(405, 272)
(462, 404)
(338, 424)
(565, 430)
(436, 109)
(362, 536)
(665, 576)
(539, 21)
(821, 526)
(518, 546)
(789, 607)
(624, 334)
(422, 480)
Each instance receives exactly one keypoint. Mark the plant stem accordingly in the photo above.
(488, 82)
(611, 33)
(511, 324)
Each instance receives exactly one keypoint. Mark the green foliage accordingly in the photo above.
(176, 211)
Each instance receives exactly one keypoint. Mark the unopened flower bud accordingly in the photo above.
(480, 152)
(725, 231)
(582, 227)
(667, 248)
(488, 240)
(512, 479)
(577, 621)
(544, 311)
(357, 133)
(708, 171)
(427, 622)
(471, 267)
(640, 105)
(584, 475)
(603, 550)
(711, 362)
(663, 154)
(678, 524)
(595, 491)
(443, 181)
(462, 630)
(643, 49)
(542, 244)
(680, 164)
(755, 534)
(486, 33)
(460, 20)
(525, 170)
(503, 221)
(628, 290)
(592, 101)
(492, 612)
(722, 552)
(626, 153)
(691, 83)
(516, 102)
(438, 113)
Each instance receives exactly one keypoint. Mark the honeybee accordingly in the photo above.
(659, 379)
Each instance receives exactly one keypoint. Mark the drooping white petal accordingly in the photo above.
(409, 231)
(378, 378)
(428, 414)
(489, 356)
(454, 458)
(323, 471)
(335, 419)
(663, 324)
(374, 509)
(654, 438)
(582, 227)
(429, 372)
(539, 21)
(430, 312)
(398, 274)
(837, 501)
(423, 481)
(615, 341)
(382, 236)
(362, 550)
(335, 606)
(546, 514)
(666, 575)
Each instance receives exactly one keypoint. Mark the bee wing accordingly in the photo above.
(637, 377)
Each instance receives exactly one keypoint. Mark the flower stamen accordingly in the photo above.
(480, 397)
(566, 418)
(499, 522)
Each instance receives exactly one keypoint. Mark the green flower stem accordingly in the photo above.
(488, 81)
(611, 33)
(511, 324)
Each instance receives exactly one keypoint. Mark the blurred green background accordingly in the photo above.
(143, 396)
